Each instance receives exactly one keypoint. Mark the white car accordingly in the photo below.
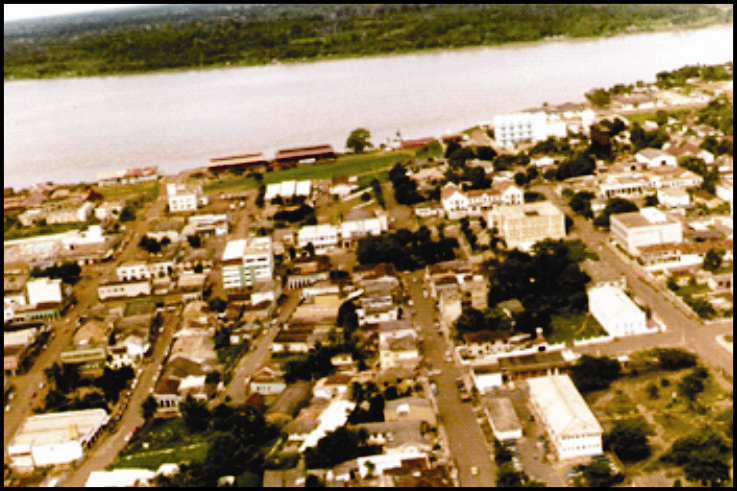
(474, 471)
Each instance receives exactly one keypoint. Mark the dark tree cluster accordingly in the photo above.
(704, 456)
(153, 246)
(614, 206)
(581, 203)
(473, 320)
(405, 250)
(674, 358)
(68, 272)
(628, 439)
(546, 283)
(647, 139)
(551, 146)
(339, 446)
(505, 162)
(698, 166)
(405, 189)
(578, 165)
(591, 373)
(304, 212)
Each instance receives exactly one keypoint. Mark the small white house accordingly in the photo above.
(652, 158)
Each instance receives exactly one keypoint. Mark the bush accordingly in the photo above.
(674, 358)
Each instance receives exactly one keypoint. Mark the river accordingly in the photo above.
(69, 130)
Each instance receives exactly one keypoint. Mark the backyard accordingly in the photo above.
(572, 327)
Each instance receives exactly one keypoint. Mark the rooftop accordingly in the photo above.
(59, 428)
(566, 411)
(502, 413)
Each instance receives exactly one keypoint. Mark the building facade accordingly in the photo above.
(521, 226)
(646, 227)
(246, 262)
(617, 314)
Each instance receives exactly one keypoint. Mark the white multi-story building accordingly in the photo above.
(322, 237)
(572, 428)
(510, 129)
(522, 226)
(359, 223)
(246, 262)
(184, 198)
(646, 227)
(617, 314)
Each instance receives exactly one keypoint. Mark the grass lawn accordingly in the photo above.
(349, 165)
(573, 327)
(226, 356)
(693, 290)
(167, 440)
(19, 232)
(148, 189)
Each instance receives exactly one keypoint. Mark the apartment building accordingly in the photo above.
(246, 262)
(521, 226)
(322, 237)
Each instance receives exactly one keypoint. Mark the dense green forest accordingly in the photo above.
(183, 36)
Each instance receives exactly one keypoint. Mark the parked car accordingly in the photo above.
(474, 471)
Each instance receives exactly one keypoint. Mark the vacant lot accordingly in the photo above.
(653, 399)
(573, 327)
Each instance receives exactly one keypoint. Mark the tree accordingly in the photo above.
(628, 440)
(217, 304)
(598, 474)
(148, 407)
(652, 200)
(195, 413)
(194, 241)
(590, 373)
(501, 453)
(691, 385)
(713, 259)
(598, 97)
(520, 179)
(581, 203)
(358, 140)
(703, 454)
(674, 358)
(613, 207)
(128, 214)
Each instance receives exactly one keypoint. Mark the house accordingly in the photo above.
(334, 416)
(341, 186)
(184, 198)
(288, 191)
(289, 402)
(268, 380)
(181, 377)
(113, 288)
(487, 378)
(322, 237)
(247, 261)
(89, 347)
(109, 210)
(206, 225)
(133, 270)
(721, 282)
(410, 408)
(458, 204)
(308, 270)
(399, 352)
(521, 226)
(46, 440)
(617, 314)
(503, 419)
(652, 157)
(120, 478)
(171, 229)
(359, 223)
(689, 149)
(17, 346)
(646, 227)
(344, 362)
(483, 343)
(673, 197)
(332, 386)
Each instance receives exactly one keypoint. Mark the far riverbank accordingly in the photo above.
(393, 54)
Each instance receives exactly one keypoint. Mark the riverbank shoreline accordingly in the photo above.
(425, 51)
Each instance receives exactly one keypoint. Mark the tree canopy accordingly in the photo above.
(614, 206)
(406, 250)
(628, 440)
(590, 373)
(358, 140)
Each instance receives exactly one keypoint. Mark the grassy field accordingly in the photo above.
(148, 189)
(167, 440)
(20, 232)
(371, 164)
(693, 290)
(574, 327)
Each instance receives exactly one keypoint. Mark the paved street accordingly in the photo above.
(467, 443)
(103, 452)
(684, 329)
